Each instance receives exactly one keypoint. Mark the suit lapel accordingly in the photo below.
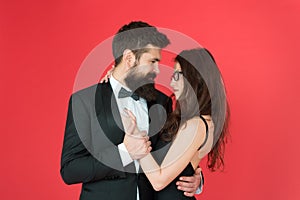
(108, 114)
(157, 118)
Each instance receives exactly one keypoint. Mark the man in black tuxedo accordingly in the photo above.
(96, 151)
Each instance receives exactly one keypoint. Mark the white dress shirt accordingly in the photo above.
(139, 109)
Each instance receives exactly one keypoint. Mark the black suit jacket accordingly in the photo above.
(90, 154)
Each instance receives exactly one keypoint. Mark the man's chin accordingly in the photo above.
(142, 86)
(150, 81)
(147, 92)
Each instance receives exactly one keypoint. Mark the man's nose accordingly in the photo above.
(156, 69)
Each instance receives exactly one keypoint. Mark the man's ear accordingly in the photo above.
(128, 58)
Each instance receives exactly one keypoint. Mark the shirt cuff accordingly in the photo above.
(200, 187)
(125, 156)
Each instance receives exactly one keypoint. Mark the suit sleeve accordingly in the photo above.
(78, 165)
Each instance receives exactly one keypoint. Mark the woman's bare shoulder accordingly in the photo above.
(198, 123)
(194, 123)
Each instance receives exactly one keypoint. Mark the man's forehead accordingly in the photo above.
(150, 46)
(153, 52)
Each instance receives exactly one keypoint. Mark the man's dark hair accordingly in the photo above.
(135, 36)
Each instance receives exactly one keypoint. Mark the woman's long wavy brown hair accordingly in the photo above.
(203, 94)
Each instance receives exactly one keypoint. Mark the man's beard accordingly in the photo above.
(142, 85)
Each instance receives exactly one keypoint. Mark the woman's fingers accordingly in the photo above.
(108, 75)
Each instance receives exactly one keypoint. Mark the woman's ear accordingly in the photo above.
(128, 58)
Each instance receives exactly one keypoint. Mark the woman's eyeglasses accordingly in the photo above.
(175, 75)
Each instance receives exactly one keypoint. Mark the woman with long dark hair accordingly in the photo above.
(197, 127)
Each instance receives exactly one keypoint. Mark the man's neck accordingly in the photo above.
(120, 74)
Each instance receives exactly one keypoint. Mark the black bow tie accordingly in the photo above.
(124, 93)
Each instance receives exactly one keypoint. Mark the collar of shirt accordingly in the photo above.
(116, 87)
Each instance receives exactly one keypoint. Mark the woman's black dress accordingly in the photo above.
(170, 192)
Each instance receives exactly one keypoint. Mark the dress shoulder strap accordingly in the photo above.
(206, 133)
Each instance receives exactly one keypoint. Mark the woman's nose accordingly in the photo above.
(172, 83)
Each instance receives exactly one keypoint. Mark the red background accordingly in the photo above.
(256, 44)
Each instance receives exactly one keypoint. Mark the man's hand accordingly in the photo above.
(137, 142)
(189, 184)
(137, 146)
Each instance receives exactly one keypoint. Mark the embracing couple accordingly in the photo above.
(122, 139)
